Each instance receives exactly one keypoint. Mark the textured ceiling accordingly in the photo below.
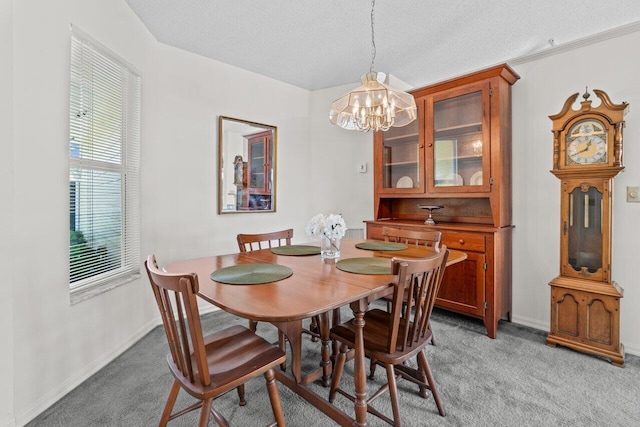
(316, 44)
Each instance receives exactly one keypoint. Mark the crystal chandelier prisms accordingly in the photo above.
(374, 105)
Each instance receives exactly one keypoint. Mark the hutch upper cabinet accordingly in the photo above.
(457, 155)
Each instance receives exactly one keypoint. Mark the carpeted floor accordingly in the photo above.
(514, 380)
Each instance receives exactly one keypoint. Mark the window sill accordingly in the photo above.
(83, 294)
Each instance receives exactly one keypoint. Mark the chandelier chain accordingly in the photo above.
(373, 39)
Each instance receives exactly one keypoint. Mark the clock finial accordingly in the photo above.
(586, 93)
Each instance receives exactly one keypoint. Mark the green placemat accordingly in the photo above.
(369, 265)
(296, 250)
(381, 246)
(251, 274)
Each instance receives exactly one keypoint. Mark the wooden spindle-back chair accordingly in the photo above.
(208, 366)
(392, 338)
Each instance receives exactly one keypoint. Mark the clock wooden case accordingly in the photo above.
(587, 155)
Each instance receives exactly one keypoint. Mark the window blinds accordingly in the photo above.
(104, 141)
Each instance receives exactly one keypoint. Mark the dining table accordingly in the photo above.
(313, 286)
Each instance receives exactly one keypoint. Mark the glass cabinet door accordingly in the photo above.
(458, 140)
(402, 160)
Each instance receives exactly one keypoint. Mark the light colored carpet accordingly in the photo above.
(514, 380)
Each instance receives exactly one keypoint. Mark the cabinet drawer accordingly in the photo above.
(463, 241)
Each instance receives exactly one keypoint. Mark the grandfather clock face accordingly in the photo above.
(586, 143)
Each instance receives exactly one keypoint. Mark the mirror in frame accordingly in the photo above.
(246, 166)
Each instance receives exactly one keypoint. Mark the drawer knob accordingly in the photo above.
(461, 241)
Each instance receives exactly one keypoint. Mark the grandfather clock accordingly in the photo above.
(587, 155)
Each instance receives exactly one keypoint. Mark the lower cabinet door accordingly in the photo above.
(463, 286)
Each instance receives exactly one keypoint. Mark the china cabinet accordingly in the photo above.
(456, 157)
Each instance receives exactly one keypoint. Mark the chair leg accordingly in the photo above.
(314, 328)
(171, 400)
(253, 325)
(424, 365)
(372, 368)
(337, 372)
(393, 393)
(205, 412)
(241, 395)
(274, 397)
(433, 337)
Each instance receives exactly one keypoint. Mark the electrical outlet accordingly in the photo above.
(362, 167)
(633, 194)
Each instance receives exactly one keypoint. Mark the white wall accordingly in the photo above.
(55, 345)
(182, 103)
(337, 185)
(544, 86)
(6, 213)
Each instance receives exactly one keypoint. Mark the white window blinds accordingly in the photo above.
(104, 141)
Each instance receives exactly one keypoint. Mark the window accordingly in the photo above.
(104, 146)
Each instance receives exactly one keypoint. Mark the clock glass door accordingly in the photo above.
(584, 232)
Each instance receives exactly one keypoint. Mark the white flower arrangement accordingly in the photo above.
(331, 226)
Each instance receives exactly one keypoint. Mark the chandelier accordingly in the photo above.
(374, 105)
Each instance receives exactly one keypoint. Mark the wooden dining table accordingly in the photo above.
(316, 288)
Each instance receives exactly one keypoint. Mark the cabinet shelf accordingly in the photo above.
(458, 130)
(466, 158)
(407, 138)
(409, 163)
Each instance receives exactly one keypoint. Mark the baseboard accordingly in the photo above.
(631, 349)
(532, 323)
(79, 377)
(210, 308)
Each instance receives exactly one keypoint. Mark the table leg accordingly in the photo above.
(293, 331)
(360, 376)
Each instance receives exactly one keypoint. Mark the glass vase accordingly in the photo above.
(329, 248)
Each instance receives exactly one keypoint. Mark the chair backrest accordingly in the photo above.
(417, 280)
(182, 326)
(416, 237)
(252, 242)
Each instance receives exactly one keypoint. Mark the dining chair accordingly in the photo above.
(414, 237)
(392, 338)
(208, 366)
(251, 242)
(430, 238)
